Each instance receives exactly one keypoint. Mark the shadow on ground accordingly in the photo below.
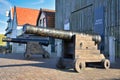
(38, 61)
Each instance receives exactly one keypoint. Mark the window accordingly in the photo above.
(44, 22)
(40, 22)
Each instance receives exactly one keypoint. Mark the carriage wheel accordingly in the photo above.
(46, 56)
(79, 65)
(106, 63)
(43, 56)
(27, 56)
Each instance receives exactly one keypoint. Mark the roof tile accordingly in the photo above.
(26, 16)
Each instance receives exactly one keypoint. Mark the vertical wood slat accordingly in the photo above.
(83, 19)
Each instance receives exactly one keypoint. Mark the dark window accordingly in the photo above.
(44, 22)
(40, 22)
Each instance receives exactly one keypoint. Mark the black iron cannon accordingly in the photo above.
(44, 41)
(33, 46)
(78, 48)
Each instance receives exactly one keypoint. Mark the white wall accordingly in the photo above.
(14, 33)
(41, 18)
(14, 27)
(18, 47)
(19, 30)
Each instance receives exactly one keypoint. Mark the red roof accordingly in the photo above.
(26, 16)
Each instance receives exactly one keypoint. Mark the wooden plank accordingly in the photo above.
(91, 58)
(87, 51)
(86, 48)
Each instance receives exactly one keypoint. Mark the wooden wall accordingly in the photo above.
(51, 20)
(81, 17)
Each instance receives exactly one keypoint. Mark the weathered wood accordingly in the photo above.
(80, 14)
(35, 48)
(86, 54)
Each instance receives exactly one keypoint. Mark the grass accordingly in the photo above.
(2, 43)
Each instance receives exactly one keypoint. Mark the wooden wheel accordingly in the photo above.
(46, 56)
(106, 63)
(79, 65)
(27, 56)
(43, 56)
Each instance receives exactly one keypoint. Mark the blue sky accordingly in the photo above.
(35, 4)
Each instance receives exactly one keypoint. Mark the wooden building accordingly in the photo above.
(91, 16)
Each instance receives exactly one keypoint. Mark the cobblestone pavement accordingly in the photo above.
(15, 67)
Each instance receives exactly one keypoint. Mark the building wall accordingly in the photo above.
(18, 47)
(80, 14)
(14, 26)
(51, 21)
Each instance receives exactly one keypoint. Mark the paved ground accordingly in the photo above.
(15, 67)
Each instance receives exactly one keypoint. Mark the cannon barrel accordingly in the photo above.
(60, 34)
(44, 42)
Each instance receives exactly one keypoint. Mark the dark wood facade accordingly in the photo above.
(81, 16)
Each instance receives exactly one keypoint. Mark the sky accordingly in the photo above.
(5, 5)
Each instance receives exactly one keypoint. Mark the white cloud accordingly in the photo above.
(39, 2)
(2, 31)
(5, 2)
(4, 6)
(3, 26)
(3, 22)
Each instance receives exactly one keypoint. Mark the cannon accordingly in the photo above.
(60, 34)
(33, 46)
(44, 42)
(79, 49)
